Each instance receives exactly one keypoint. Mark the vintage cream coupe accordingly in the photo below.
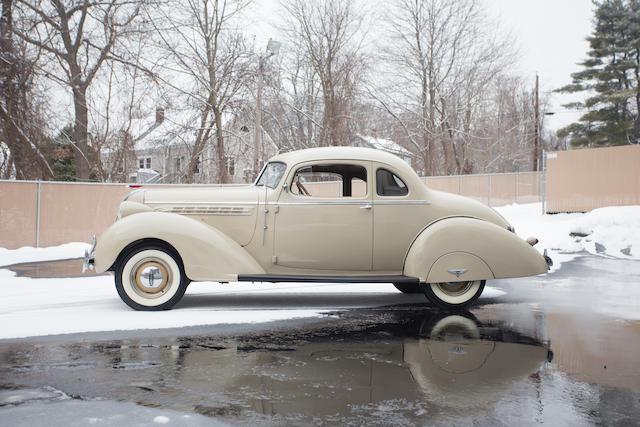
(338, 214)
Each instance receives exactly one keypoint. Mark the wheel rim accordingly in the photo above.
(456, 293)
(151, 277)
(454, 289)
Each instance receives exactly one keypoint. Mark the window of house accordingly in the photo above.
(196, 166)
(389, 184)
(231, 165)
(178, 164)
(330, 180)
(144, 162)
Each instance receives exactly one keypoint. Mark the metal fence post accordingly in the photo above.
(544, 180)
(38, 217)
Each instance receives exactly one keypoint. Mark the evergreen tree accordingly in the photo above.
(610, 76)
(64, 162)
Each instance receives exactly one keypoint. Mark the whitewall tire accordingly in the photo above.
(454, 295)
(151, 278)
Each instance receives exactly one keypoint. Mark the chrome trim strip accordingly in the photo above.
(191, 202)
(401, 202)
(351, 202)
(327, 202)
(212, 210)
(324, 202)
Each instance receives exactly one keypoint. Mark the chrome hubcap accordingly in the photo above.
(454, 288)
(151, 277)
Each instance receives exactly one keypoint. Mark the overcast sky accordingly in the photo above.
(550, 34)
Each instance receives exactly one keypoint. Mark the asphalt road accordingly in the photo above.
(559, 349)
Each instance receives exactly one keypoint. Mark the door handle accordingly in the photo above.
(367, 207)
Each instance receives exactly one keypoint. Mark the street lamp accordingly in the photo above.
(273, 47)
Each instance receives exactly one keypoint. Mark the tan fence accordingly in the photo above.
(51, 213)
(492, 189)
(583, 180)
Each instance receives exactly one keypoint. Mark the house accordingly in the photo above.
(383, 144)
(161, 150)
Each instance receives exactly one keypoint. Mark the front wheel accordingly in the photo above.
(151, 278)
(454, 295)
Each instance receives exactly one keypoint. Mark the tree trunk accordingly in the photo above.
(221, 157)
(81, 123)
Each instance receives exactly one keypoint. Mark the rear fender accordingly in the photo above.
(461, 248)
(206, 252)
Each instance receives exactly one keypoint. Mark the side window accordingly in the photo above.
(389, 184)
(330, 181)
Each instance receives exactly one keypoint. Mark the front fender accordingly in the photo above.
(459, 248)
(207, 253)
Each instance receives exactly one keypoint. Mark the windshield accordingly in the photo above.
(271, 174)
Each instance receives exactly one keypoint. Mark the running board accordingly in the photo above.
(273, 278)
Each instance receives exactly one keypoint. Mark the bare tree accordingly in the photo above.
(440, 60)
(327, 33)
(211, 55)
(79, 36)
(21, 132)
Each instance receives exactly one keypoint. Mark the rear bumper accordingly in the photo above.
(548, 259)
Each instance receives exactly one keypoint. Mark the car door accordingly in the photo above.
(324, 219)
(400, 213)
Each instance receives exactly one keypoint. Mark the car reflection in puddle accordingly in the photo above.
(389, 365)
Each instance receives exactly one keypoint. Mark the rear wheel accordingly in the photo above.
(151, 278)
(454, 295)
(409, 288)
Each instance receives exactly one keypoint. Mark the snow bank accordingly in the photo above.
(30, 254)
(612, 231)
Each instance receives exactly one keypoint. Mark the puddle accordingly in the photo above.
(391, 365)
(50, 269)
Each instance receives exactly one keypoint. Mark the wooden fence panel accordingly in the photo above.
(583, 180)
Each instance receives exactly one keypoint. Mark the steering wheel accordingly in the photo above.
(302, 189)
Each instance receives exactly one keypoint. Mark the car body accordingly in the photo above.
(333, 214)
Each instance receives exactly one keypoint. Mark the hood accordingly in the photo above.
(231, 210)
(191, 195)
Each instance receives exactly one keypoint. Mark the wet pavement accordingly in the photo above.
(49, 269)
(559, 350)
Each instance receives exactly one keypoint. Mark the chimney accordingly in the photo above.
(159, 115)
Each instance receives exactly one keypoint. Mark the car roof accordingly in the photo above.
(342, 153)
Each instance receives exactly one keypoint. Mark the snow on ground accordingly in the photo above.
(36, 307)
(30, 254)
(612, 231)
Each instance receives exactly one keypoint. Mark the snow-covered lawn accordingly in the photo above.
(36, 307)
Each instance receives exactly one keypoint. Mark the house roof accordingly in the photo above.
(385, 144)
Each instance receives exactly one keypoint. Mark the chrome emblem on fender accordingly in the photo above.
(458, 272)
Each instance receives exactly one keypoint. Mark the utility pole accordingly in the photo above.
(272, 49)
(258, 125)
(536, 130)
